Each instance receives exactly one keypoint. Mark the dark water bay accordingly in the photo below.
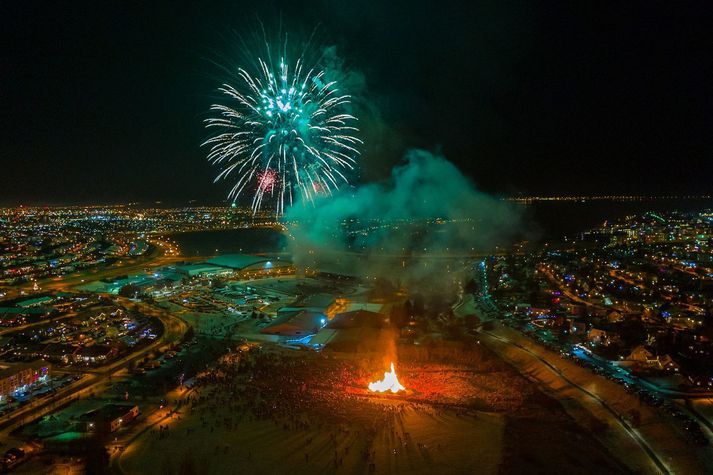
(231, 241)
(543, 220)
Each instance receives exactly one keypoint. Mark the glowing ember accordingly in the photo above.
(389, 383)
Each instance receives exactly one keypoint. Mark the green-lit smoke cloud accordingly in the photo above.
(427, 208)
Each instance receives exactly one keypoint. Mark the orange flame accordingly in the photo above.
(389, 383)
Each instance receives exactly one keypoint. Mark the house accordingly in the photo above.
(599, 336)
(644, 357)
(58, 352)
(640, 354)
(109, 418)
(576, 309)
(614, 316)
(94, 354)
(299, 324)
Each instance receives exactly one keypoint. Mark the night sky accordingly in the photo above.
(104, 102)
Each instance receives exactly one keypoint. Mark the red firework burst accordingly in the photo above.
(266, 180)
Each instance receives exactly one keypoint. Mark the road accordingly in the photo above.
(616, 371)
(654, 446)
(165, 416)
(174, 329)
(20, 328)
(611, 417)
(125, 266)
(576, 298)
(93, 379)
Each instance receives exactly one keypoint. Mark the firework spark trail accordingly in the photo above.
(280, 130)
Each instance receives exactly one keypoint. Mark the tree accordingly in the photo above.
(408, 307)
(383, 288)
(399, 317)
(470, 286)
(419, 306)
(472, 321)
(96, 458)
(665, 343)
(707, 326)
(129, 290)
(632, 332)
(454, 330)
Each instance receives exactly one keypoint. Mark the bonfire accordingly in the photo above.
(389, 383)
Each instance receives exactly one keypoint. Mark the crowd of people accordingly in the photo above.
(307, 395)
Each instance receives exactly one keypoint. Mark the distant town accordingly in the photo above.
(111, 334)
(630, 300)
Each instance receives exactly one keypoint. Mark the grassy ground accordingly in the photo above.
(439, 442)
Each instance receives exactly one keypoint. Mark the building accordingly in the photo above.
(109, 418)
(358, 331)
(18, 377)
(201, 270)
(249, 263)
(95, 354)
(646, 358)
(599, 336)
(297, 324)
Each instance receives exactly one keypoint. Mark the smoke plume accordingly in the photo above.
(407, 228)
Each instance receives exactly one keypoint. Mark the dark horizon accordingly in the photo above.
(104, 105)
(218, 202)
